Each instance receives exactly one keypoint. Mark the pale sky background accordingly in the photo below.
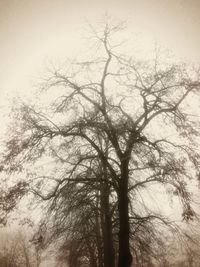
(35, 31)
(32, 31)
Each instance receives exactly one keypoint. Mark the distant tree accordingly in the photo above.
(132, 118)
(16, 250)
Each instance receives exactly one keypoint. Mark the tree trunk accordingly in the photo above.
(125, 257)
(109, 253)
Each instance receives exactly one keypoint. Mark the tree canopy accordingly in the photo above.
(107, 129)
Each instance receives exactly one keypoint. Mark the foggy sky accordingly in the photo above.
(33, 30)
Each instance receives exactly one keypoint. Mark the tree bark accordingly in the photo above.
(109, 253)
(125, 257)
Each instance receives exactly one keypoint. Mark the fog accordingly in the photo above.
(36, 35)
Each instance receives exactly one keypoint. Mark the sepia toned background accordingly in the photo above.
(34, 33)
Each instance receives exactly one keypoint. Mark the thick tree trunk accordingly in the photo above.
(109, 253)
(125, 257)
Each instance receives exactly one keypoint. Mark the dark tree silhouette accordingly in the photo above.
(128, 119)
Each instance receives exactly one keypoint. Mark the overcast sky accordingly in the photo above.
(32, 31)
(35, 31)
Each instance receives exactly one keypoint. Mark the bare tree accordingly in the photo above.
(120, 112)
(16, 250)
